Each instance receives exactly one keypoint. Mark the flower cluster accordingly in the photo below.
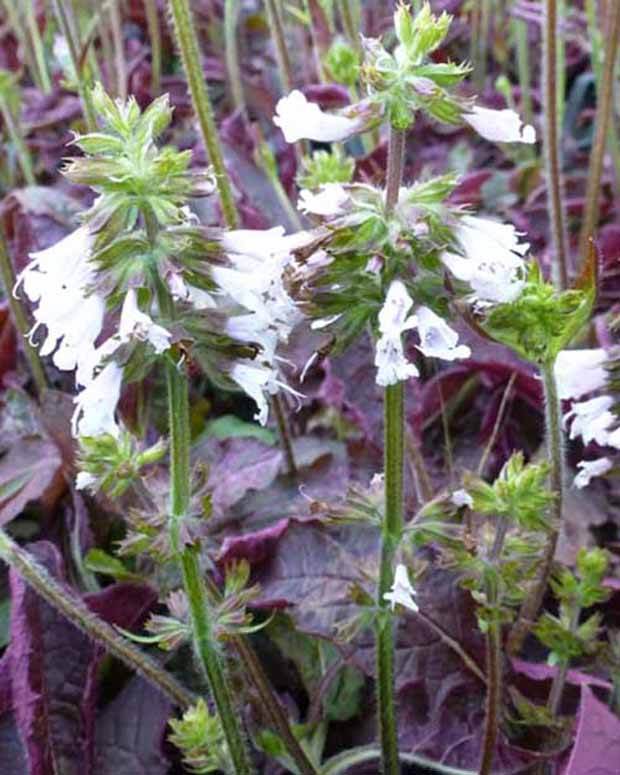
(399, 84)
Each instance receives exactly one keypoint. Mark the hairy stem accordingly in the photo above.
(276, 28)
(231, 15)
(62, 11)
(392, 527)
(78, 613)
(19, 317)
(555, 454)
(38, 47)
(205, 643)
(154, 29)
(270, 705)
(559, 679)
(604, 107)
(185, 31)
(494, 659)
(120, 64)
(552, 144)
(390, 538)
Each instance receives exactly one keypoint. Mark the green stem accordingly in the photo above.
(555, 455)
(14, 132)
(39, 49)
(523, 64)
(390, 538)
(604, 106)
(78, 613)
(19, 318)
(270, 705)
(84, 81)
(552, 144)
(154, 28)
(185, 31)
(231, 16)
(559, 679)
(276, 28)
(120, 64)
(342, 762)
(392, 527)
(494, 658)
(205, 644)
(350, 24)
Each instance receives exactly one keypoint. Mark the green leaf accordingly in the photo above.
(99, 561)
(231, 427)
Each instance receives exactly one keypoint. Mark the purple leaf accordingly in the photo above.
(29, 471)
(54, 669)
(130, 731)
(254, 547)
(597, 743)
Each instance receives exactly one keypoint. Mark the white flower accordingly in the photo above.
(135, 324)
(392, 365)
(462, 498)
(590, 469)
(500, 126)
(181, 291)
(299, 119)
(331, 199)
(85, 481)
(402, 591)
(255, 279)
(437, 339)
(578, 372)
(592, 420)
(259, 380)
(492, 260)
(95, 406)
(59, 279)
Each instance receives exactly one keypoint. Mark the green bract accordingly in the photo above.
(200, 737)
(130, 173)
(342, 63)
(541, 321)
(405, 80)
(519, 493)
(114, 464)
(326, 167)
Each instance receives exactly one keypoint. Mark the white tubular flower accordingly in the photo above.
(331, 199)
(135, 324)
(302, 120)
(590, 469)
(402, 591)
(492, 260)
(437, 339)
(392, 365)
(59, 279)
(592, 420)
(460, 498)
(500, 126)
(255, 279)
(259, 380)
(181, 291)
(578, 372)
(95, 406)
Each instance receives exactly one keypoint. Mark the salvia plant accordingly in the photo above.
(158, 288)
